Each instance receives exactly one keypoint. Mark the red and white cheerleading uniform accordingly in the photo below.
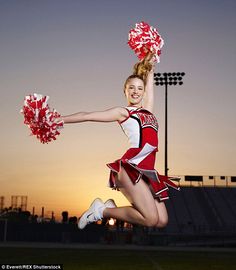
(141, 128)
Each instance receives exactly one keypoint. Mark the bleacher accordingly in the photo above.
(198, 216)
(202, 210)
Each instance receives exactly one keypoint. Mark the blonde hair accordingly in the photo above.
(141, 69)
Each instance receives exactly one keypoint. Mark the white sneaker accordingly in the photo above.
(93, 214)
(110, 203)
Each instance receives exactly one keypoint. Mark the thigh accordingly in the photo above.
(161, 207)
(162, 212)
(138, 194)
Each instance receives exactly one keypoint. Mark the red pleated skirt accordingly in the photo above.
(139, 163)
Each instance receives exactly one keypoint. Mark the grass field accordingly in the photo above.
(76, 259)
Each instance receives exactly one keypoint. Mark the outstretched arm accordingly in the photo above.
(110, 115)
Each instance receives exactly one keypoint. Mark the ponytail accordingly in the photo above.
(143, 67)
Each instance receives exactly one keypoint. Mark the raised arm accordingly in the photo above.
(110, 115)
(145, 69)
(148, 100)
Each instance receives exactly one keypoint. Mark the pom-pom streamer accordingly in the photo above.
(41, 120)
(144, 38)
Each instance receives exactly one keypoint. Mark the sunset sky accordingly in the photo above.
(76, 52)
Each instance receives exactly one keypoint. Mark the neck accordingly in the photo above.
(134, 105)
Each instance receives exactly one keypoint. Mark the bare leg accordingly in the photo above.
(163, 215)
(144, 209)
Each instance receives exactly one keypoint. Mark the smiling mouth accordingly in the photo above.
(135, 96)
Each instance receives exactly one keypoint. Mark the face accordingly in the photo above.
(134, 92)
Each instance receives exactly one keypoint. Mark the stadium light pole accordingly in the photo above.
(167, 78)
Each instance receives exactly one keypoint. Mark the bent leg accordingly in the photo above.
(163, 215)
(143, 210)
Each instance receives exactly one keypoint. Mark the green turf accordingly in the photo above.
(76, 259)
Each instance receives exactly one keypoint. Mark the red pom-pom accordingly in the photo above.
(40, 118)
(144, 38)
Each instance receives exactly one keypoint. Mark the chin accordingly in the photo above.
(136, 102)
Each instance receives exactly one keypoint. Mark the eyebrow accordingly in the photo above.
(134, 85)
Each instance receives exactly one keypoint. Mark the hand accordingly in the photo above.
(150, 58)
(153, 67)
(59, 120)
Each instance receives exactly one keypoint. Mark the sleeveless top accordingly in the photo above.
(140, 127)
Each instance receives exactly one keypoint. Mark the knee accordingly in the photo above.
(162, 222)
(151, 221)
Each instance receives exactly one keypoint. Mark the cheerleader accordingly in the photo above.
(133, 174)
